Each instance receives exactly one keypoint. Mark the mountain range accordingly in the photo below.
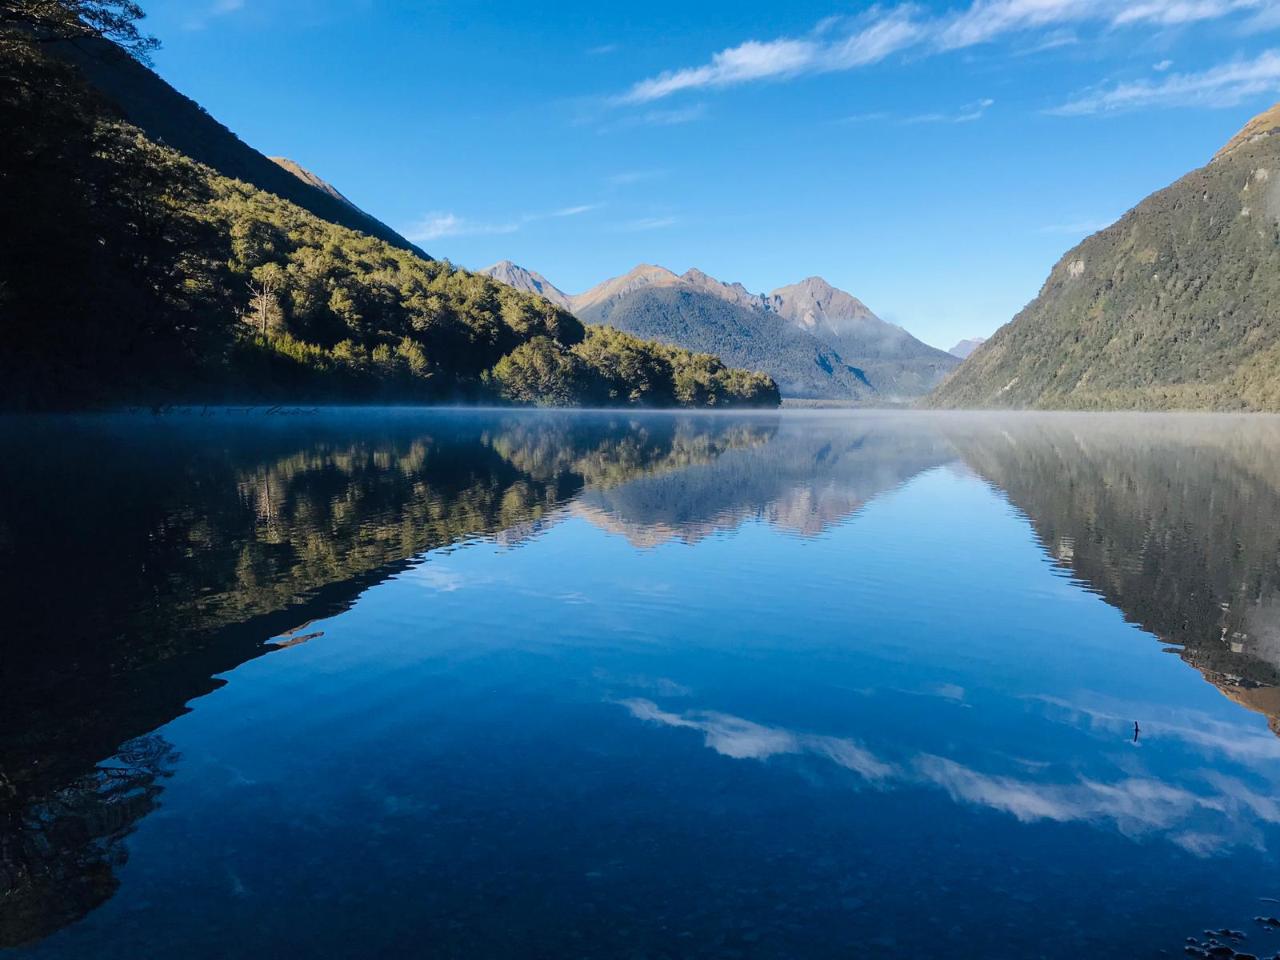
(1175, 306)
(816, 341)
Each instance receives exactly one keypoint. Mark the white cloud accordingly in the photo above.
(965, 114)
(576, 211)
(219, 8)
(1162, 66)
(846, 43)
(438, 224)
(441, 224)
(1225, 85)
(1204, 823)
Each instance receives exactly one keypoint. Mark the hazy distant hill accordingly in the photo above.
(815, 340)
(655, 303)
(1176, 306)
(896, 363)
(966, 347)
(169, 118)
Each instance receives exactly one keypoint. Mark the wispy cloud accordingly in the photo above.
(577, 211)
(646, 223)
(657, 118)
(1204, 823)
(965, 114)
(438, 224)
(602, 50)
(1225, 85)
(846, 43)
(219, 8)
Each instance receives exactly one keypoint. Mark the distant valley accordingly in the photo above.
(816, 341)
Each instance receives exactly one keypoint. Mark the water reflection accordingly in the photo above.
(146, 558)
(1175, 521)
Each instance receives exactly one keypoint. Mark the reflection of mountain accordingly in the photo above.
(1175, 522)
(816, 472)
(199, 540)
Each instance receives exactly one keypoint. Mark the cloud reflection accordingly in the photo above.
(1204, 824)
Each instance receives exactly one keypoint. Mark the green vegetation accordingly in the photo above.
(1176, 306)
(140, 274)
(608, 368)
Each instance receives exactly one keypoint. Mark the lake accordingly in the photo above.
(516, 684)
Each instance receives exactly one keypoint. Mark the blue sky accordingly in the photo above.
(934, 159)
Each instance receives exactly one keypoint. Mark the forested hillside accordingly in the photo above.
(1176, 306)
(130, 272)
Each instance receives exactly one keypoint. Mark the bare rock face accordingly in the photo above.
(527, 281)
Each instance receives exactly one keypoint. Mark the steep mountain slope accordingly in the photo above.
(311, 180)
(527, 281)
(1176, 306)
(656, 304)
(964, 348)
(896, 363)
(169, 118)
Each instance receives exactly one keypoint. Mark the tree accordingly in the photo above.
(539, 372)
(47, 21)
(264, 302)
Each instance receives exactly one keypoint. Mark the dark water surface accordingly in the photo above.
(466, 684)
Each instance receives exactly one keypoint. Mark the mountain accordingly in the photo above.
(964, 348)
(895, 362)
(167, 117)
(698, 314)
(816, 341)
(146, 274)
(527, 281)
(1175, 306)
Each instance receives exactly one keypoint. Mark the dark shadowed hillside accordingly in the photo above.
(169, 118)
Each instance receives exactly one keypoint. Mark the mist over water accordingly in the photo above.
(494, 683)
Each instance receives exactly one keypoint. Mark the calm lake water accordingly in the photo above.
(469, 684)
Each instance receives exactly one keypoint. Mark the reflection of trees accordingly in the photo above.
(59, 847)
(155, 556)
(1175, 523)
